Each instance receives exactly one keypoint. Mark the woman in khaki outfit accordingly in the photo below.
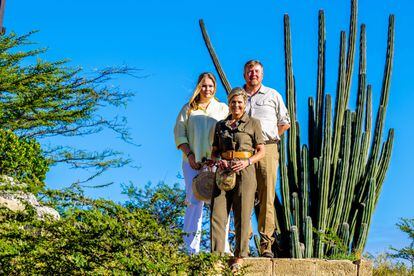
(238, 143)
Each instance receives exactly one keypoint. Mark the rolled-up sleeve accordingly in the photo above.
(180, 128)
(283, 117)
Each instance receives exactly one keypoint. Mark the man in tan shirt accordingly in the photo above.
(266, 104)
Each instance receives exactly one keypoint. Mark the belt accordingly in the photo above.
(271, 142)
(231, 154)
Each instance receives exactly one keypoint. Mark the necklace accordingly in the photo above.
(203, 105)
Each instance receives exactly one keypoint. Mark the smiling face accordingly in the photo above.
(237, 106)
(207, 89)
(253, 75)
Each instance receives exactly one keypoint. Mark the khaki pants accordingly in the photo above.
(241, 199)
(266, 173)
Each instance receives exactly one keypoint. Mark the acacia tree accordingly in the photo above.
(41, 99)
(406, 253)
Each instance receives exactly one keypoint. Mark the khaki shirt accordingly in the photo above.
(245, 137)
(267, 105)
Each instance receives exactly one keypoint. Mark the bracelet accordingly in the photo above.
(189, 153)
(250, 161)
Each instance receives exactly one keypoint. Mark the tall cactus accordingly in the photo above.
(214, 57)
(332, 183)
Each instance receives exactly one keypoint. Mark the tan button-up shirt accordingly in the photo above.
(267, 105)
(245, 137)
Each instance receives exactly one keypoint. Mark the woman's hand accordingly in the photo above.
(223, 164)
(210, 163)
(239, 165)
(193, 164)
(185, 148)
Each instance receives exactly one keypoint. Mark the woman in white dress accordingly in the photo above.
(193, 132)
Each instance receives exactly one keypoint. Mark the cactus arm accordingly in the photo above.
(291, 103)
(385, 162)
(344, 234)
(304, 189)
(340, 103)
(351, 49)
(335, 217)
(295, 210)
(214, 57)
(284, 182)
(295, 245)
(308, 238)
(320, 91)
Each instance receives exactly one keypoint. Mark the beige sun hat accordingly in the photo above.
(225, 179)
(203, 185)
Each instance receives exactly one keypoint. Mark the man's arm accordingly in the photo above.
(282, 114)
(282, 128)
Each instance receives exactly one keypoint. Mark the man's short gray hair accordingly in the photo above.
(251, 63)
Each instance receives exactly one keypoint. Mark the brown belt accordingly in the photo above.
(231, 154)
(268, 142)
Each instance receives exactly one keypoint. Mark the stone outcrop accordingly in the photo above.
(17, 200)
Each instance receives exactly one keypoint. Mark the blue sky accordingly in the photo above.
(163, 39)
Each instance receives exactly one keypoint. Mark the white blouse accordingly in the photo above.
(197, 128)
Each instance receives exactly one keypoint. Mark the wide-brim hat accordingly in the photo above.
(225, 179)
(203, 185)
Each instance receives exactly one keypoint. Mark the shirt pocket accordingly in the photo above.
(226, 140)
(265, 109)
(244, 140)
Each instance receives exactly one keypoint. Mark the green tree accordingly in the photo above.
(396, 263)
(41, 99)
(23, 160)
(165, 203)
(406, 253)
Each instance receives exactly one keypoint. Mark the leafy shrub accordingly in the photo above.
(22, 159)
(385, 264)
(96, 237)
(165, 203)
(388, 263)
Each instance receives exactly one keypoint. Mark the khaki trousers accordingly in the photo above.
(266, 173)
(241, 199)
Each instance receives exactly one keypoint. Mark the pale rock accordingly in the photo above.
(16, 200)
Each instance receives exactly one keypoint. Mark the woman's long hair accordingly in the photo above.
(193, 102)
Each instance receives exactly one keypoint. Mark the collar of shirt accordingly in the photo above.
(240, 123)
(213, 103)
(261, 90)
(211, 108)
